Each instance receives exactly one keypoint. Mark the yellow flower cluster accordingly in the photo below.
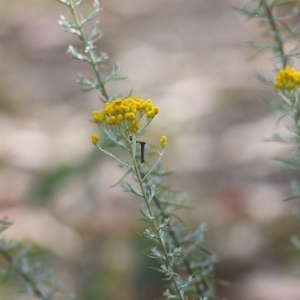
(163, 141)
(287, 79)
(95, 138)
(126, 113)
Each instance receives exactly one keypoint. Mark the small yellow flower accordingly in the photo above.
(135, 126)
(130, 116)
(111, 120)
(163, 141)
(95, 138)
(150, 113)
(287, 79)
(95, 116)
(119, 118)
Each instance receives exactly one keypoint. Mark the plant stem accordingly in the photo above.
(176, 241)
(88, 49)
(276, 31)
(36, 291)
(155, 228)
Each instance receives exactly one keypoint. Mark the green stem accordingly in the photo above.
(276, 31)
(154, 226)
(101, 83)
(176, 242)
(36, 291)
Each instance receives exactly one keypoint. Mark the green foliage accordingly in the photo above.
(186, 266)
(88, 54)
(276, 19)
(280, 25)
(17, 264)
(180, 256)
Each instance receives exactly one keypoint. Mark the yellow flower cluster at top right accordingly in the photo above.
(287, 79)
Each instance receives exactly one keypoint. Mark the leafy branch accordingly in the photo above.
(185, 264)
(280, 19)
(88, 55)
(16, 264)
(277, 31)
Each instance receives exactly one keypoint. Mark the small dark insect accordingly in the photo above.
(142, 149)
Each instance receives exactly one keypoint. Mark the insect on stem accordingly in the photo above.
(142, 149)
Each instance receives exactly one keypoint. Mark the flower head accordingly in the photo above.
(163, 141)
(287, 79)
(126, 114)
(95, 138)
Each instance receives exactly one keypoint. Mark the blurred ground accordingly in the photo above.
(189, 58)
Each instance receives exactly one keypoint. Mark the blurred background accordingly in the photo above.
(189, 57)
